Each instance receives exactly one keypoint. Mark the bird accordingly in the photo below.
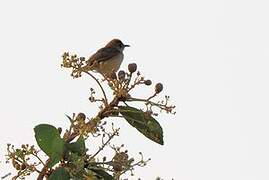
(107, 59)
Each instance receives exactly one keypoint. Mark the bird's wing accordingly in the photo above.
(103, 54)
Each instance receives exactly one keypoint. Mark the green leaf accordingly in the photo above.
(69, 118)
(50, 141)
(59, 174)
(145, 124)
(78, 146)
(100, 173)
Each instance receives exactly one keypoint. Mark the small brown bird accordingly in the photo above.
(107, 59)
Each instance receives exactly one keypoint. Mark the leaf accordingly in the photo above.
(59, 174)
(102, 174)
(50, 141)
(69, 118)
(145, 124)
(78, 146)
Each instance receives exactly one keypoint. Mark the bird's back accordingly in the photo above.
(103, 54)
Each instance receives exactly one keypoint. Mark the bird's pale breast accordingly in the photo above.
(112, 64)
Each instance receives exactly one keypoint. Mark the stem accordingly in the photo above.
(137, 81)
(6, 175)
(129, 80)
(43, 172)
(132, 86)
(104, 145)
(37, 171)
(101, 115)
(106, 102)
(152, 96)
(144, 100)
(39, 159)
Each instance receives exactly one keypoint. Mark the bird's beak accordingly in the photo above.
(126, 45)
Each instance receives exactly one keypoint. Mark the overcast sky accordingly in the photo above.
(212, 57)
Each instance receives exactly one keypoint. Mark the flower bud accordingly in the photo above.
(158, 87)
(121, 75)
(17, 167)
(131, 160)
(132, 67)
(82, 58)
(113, 75)
(110, 84)
(32, 168)
(91, 99)
(14, 162)
(81, 116)
(148, 82)
(117, 167)
(128, 95)
(23, 166)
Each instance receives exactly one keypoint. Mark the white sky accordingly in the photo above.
(212, 57)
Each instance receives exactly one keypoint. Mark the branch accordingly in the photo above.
(43, 171)
(101, 115)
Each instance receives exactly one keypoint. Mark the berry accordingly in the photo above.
(113, 75)
(148, 82)
(121, 75)
(132, 67)
(158, 87)
(17, 167)
(81, 116)
(23, 166)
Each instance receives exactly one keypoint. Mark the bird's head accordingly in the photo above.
(116, 43)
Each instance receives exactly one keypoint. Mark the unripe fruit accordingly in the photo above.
(81, 116)
(117, 167)
(14, 163)
(23, 166)
(132, 67)
(128, 95)
(148, 82)
(121, 75)
(113, 75)
(17, 167)
(158, 87)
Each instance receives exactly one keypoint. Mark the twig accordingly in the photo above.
(39, 159)
(43, 171)
(129, 80)
(145, 100)
(106, 102)
(104, 144)
(5, 176)
(137, 81)
(152, 96)
(140, 163)
(72, 136)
